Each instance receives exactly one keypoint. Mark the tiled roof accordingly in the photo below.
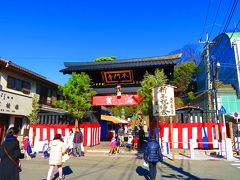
(14, 67)
(121, 64)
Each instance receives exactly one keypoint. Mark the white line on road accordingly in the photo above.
(236, 164)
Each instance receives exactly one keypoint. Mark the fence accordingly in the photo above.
(204, 134)
(91, 132)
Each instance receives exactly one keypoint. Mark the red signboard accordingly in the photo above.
(126, 100)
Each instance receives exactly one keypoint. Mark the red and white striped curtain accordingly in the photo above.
(203, 133)
(91, 132)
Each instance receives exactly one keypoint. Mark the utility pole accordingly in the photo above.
(209, 84)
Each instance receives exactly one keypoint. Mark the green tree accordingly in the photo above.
(107, 58)
(33, 117)
(77, 95)
(116, 110)
(149, 82)
(183, 75)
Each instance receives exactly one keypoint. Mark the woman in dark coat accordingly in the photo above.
(9, 169)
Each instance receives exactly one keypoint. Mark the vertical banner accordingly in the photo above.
(163, 101)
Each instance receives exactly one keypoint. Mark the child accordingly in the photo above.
(113, 145)
(26, 144)
(46, 150)
(129, 142)
(118, 144)
(135, 142)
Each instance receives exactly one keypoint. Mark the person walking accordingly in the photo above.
(82, 147)
(25, 145)
(113, 146)
(77, 140)
(57, 149)
(152, 155)
(70, 142)
(9, 156)
(121, 135)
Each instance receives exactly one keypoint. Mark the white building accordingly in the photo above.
(17, 89)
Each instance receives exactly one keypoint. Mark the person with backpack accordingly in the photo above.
(152, 156)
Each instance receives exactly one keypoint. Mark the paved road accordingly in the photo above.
(98, 167)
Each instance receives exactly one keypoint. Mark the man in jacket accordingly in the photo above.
(77, 140)
(152, 155)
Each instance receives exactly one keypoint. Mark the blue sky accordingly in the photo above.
(42, 35)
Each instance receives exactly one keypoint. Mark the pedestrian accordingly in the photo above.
(129, 142)
(57, 150)
(141, 135)
(9, 156)
(77, 140)
(118, 144)
(152, 155)
(26, 147)
(113, 145)
(82, 147)
(69, 140)
(135, 142)
(46, 149)
(121, 135)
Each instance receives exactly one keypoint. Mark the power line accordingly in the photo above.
(230, 37)
(204, 27)
(219, 5)
(225, 18)
(234, 5)
(230, 16)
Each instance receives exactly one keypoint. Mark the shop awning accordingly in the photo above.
(113, 119)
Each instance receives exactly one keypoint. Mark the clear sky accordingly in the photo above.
(42, 35)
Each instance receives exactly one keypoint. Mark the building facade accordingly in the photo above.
(224, 74)
(18, 86)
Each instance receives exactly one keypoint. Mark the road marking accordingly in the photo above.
(236, 164)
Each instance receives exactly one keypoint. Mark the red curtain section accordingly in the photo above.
(93, 136)
(206, 133)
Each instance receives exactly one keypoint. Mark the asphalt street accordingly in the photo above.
(104, 167)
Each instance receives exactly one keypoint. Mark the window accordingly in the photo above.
(42, 91)
(19, 85)
(10, 82)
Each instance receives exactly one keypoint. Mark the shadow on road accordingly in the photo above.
(66, 171)
(143, 172)
(185, 174)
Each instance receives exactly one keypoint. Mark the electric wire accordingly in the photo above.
(230, 16)
(226, 15)
(204, 27)
(215, 18)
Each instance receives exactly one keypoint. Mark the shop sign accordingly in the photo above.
(163, 101)
(11, 103)
(126, 100)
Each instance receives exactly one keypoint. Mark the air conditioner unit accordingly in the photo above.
(25, 91)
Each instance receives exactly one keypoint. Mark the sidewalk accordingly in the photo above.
(102, 149)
